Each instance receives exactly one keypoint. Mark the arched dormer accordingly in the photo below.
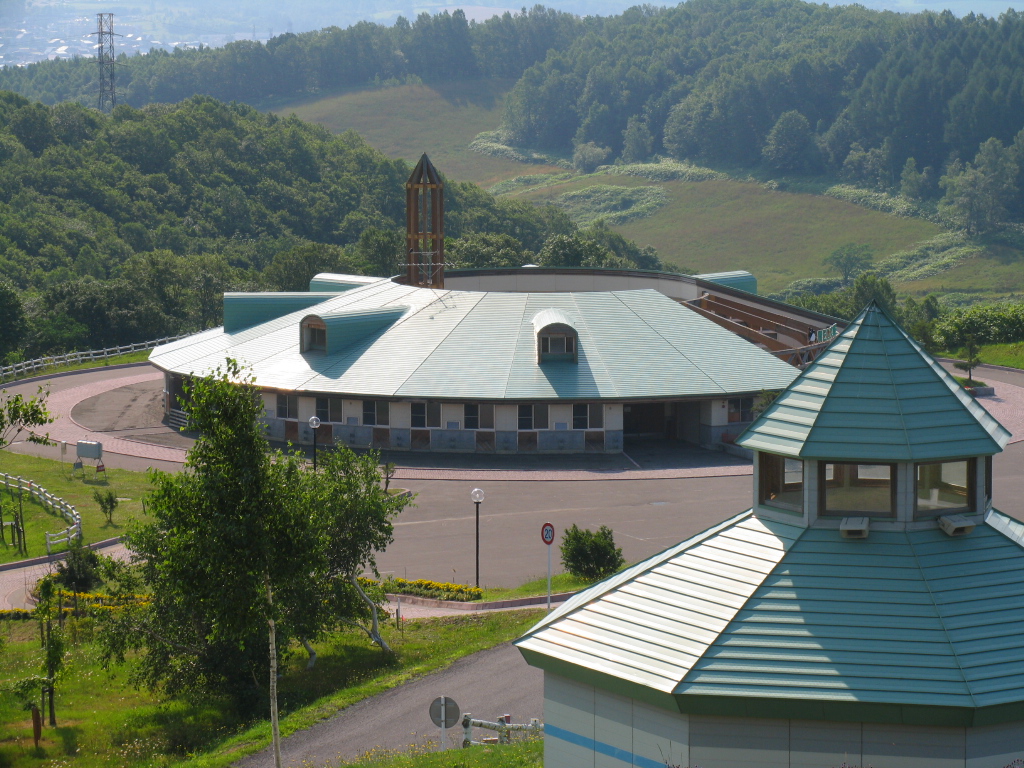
(330, 332)
(557, 338)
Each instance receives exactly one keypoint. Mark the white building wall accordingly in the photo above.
(451, 412)
(353, 409)
(307, 409)
(560, 412)
(506, 418)
(588, 727)
(613, 416)
(400, 415)
(269, 404)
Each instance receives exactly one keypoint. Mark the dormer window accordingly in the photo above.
(556, 336)
(314, 335)
(944, 488)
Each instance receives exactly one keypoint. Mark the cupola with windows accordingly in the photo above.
(875, 429)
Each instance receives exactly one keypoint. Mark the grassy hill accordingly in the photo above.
(407, 120)
(710, 225)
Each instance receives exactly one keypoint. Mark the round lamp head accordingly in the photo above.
(314, 422)
(477, 495)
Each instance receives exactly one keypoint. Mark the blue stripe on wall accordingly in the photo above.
(599, 746)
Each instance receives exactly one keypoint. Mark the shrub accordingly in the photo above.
(588, 555)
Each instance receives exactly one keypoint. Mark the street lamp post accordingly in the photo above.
(477, 495)
(314, 424)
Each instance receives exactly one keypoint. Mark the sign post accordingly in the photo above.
(444, 712)
(547, 535)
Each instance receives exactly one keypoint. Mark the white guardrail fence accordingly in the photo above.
(52, 503)
(18, 370)
(503, 726)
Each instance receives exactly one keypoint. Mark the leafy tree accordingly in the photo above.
(849, 260)
(588, 555)
(12, 319)
(292, 270)
(33, 128)
(789, 143)
(483, 250)
(107, 501)
(970, 356)
(588, 156)
(79, 571)
(977, 195)
(54, 652)
(637, 141)
(383, 251)
(911, 181)
(18, 414)
(573, 251)
(244, 551)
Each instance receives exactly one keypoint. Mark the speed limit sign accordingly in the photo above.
(547, 533)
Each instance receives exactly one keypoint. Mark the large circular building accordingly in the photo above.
(511, 360)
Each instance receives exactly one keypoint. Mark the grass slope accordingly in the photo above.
(407, 120)
(105, 722)
(59, 480)
(779, 236)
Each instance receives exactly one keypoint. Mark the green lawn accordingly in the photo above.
(528, 753)
(408, 120)
(102, 721)
(76, 488)
(560, 582)
(1010, 355)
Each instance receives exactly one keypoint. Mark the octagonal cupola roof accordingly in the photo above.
(875, 394)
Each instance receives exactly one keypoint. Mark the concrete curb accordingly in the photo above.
(48, 376)
(56, 556)
(494, 605)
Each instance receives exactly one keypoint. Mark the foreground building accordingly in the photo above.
(867, 610)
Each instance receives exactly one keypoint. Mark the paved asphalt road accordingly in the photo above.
(399, 718)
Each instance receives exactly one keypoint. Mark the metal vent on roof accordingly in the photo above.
(855, 527)
(956, 525)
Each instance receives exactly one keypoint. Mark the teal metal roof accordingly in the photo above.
(482, 345)
(769, 620)
(344, 328)
(244, 310)
(739, 279)
(326, 281)
(551, 316)
(875, 394)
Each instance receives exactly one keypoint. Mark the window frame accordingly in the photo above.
(322, 409)
(823, 486)
(418, 420)
(768, 465)
(972, 490)
(289, 404)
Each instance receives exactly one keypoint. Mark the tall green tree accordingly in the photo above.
(12, 319)
(789, 143)
(19, 414)
(849, 260)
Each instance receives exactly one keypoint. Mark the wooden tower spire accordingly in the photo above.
(424, 206)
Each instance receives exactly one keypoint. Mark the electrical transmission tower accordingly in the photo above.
(106, 59)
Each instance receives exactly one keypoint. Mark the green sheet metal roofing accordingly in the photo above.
(764, 619)
(482, 345)
(875, 394)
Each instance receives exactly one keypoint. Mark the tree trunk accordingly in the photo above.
(312, 653)
(375, 626)
(274, 724)
(53, 713)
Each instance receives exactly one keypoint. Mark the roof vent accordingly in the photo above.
(956, 525)
(855, 527)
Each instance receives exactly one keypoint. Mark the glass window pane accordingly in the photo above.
(596, 416)
(419, 415)
(433, 414)
(369, 412)
(944, 487)
(579, 416)
(487, 416)
(862, 489)
(471, 416)
(383, 413)
(323, 411)
(540, 416)
(526, 417)
(781, 482)
(337, 407)
(282, 407)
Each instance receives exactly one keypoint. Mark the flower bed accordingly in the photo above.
(435, 589)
